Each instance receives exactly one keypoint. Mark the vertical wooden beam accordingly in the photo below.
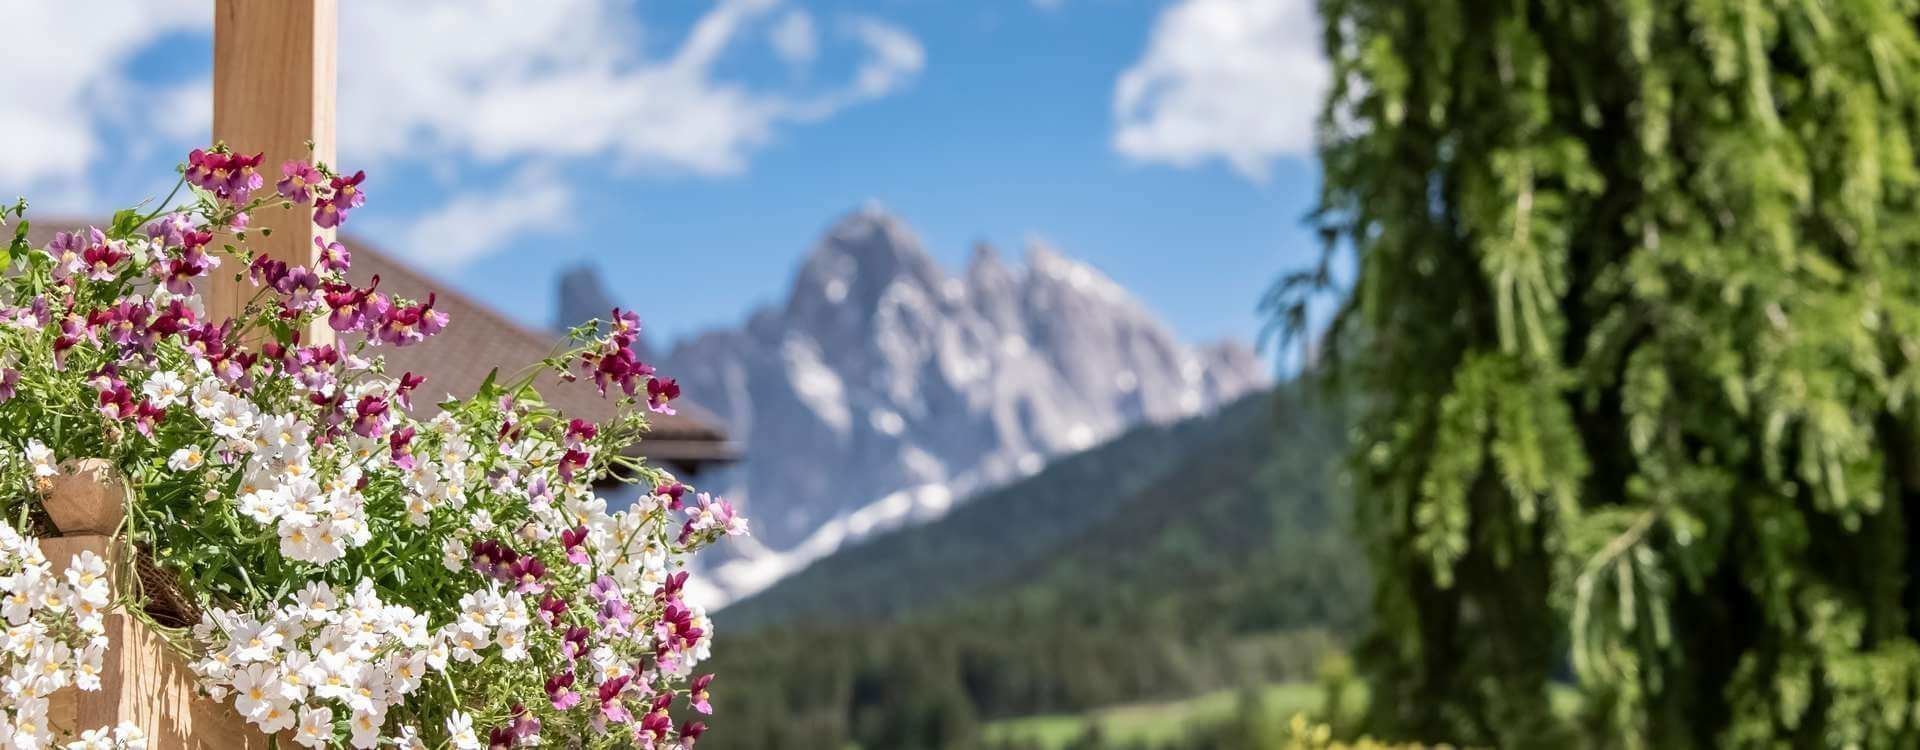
(273, 91)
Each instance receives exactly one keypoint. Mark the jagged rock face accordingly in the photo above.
(580, 296)
(886, 388)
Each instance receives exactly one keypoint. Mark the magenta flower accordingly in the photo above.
(659, 392)
(297, 181)
(403, 391)
(579, 431)
(653, 729)
(493, 559)
(575, 541)
(402, 325)
(101, 259)
(552, 608)
(675, 628)
(574, 643)
(573, 461)
(370, 416)
(560, 691)
(331, 211)
(671, 493)
(9, 384)
(353, 308)
(690, 733)
(243, 177)
(697, 693)
(626, 328)
(400, 447)
(611, 707)
(526, 573)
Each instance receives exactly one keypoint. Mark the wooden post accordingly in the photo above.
(273, 91)
(142, 680)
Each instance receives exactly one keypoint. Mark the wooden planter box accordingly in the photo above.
(143, 682)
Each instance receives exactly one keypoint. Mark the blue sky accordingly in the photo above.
(694, 150)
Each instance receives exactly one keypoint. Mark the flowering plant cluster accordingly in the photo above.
(363, 576)
(55, 638)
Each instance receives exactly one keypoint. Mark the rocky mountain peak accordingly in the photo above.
(858, 258)
(887, 389)
(580, 296)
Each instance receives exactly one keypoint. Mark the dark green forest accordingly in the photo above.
(1175, 559)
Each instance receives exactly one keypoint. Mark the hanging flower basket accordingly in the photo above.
(216, 531)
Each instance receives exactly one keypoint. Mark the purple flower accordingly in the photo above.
(170, 230)
(333, 255)
(616, 617)
(603, 589)
(9, 384)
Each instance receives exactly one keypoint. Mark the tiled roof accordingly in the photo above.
(479, 338)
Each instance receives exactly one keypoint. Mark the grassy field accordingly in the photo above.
(1151, 722)
(1154, 723)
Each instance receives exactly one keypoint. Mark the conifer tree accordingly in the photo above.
(1634, 315)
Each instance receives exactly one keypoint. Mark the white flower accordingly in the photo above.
(230, 417)
(467, 639)
(316, 727)
(130, 736)
(93, 739)
(40, 457)
(366, 728)
(256, 642)
(164, 389)
(513, 644)
(460, 731)
(186, 459)
(255, 688)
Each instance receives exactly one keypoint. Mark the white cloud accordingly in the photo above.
(1236, 80)
(476, 224)
(65, 67)
(897, 57)
(500, 80)
(455, 86)
(794, 38)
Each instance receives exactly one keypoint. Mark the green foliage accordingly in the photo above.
(1169, 562)
(1634, 307)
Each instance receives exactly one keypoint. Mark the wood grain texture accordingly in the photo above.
(273, 91)
(86, 497)
(143, 680)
